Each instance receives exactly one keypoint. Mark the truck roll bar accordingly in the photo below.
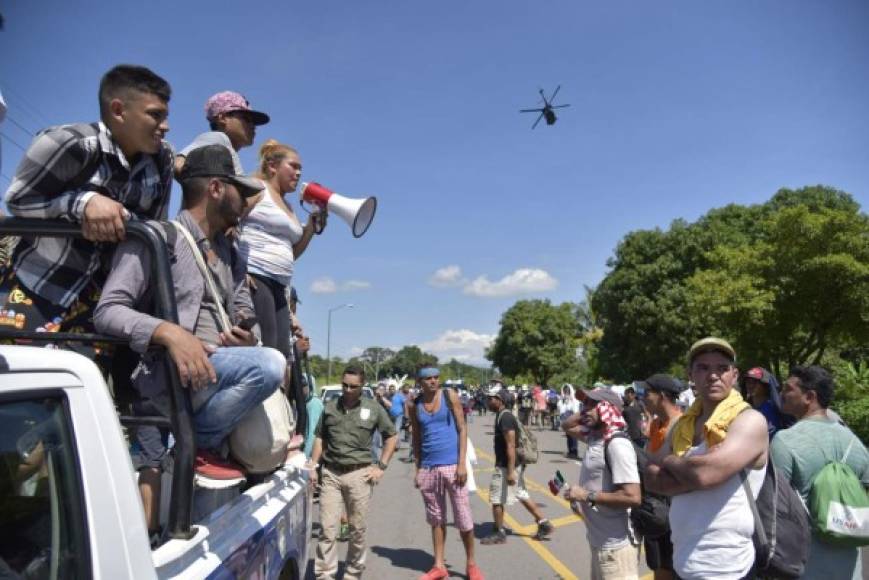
(164, 302)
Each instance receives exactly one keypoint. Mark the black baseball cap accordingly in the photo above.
(663, 383)
(216, 161)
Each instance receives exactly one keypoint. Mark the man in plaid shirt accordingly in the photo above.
(98, 175)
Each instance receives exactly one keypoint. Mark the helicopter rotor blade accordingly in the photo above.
(537, 121)
(552, 98)
(531, 110)
(559, 106)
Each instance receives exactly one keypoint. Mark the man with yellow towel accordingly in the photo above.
(700, 465)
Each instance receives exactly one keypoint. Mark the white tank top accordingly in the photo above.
(266, 240)
(711, 529)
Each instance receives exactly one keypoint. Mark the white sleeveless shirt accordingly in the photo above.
(711, 529)
(266, 240)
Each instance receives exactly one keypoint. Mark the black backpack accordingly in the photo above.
(651, 518)
(781, 526)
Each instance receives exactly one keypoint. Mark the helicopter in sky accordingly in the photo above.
(546, 112)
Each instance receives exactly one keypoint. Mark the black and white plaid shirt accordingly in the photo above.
(64, 167)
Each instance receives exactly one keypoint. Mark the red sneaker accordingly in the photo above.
(435, 574)
(474, 573)
(209, 465)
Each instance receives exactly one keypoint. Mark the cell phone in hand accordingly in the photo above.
(247, 323)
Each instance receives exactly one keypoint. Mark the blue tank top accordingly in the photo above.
(440, 440)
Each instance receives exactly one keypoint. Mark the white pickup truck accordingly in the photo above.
(69, 499)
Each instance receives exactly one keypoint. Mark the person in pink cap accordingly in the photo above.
(233, 124)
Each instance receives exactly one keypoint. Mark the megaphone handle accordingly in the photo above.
(319, 225)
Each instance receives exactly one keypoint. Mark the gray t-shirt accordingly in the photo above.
(608, 528)
(214, 138)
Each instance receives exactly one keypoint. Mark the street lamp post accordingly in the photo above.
(329, 341)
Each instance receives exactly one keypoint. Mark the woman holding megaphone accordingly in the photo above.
(272, 238)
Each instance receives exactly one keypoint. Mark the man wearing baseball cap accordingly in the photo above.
(212, 346)
(233, 124)
(761, 390)
(662, 395)
(609, 484)
(699, 465)
(508, 479)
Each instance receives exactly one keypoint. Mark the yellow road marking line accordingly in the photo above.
(529, 483)
(531, 529)
(565, 520)
(545, 555)
(557, 565)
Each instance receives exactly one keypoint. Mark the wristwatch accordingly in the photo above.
(590, 498)
(382, 465)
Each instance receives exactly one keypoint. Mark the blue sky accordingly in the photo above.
(676, 108)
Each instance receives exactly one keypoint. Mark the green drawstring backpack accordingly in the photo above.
(839, 505)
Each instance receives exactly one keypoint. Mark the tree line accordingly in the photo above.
(379, 363)
(786, 281)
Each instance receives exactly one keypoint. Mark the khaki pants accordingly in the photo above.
(619, 564)
(339, 492)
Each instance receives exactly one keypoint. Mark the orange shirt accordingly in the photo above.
(658, 433)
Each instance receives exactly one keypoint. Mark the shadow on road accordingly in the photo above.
(410, 558)
(309, 571)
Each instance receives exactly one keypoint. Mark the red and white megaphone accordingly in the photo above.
(358, 213)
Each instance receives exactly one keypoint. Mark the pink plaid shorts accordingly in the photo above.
(436, 483)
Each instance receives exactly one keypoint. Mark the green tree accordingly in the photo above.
(640, 304)
(375, 357)
(793, 295)
(536, 338)
(786, 281)
(407, 360)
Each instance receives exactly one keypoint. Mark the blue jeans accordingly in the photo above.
(397, 421)
(246, 376)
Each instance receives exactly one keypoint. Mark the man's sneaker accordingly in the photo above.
(544, 530)
(435, 574)
(507, 530)
(495, 538)
(212, 466)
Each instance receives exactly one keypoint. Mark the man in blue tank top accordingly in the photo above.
(439, 444)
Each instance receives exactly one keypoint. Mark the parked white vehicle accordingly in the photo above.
(331, 392)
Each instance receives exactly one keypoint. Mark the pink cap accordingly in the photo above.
(229, 101)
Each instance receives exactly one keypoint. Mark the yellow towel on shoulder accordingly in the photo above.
(715, 428)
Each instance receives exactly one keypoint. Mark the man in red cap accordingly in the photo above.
(233, 124)
(761, 390)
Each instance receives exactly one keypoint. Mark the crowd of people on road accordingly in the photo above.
(232, 250)
(676, 481)
(676, 468)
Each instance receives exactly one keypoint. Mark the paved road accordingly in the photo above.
(399, 539)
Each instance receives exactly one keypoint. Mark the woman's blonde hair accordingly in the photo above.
(272, 151)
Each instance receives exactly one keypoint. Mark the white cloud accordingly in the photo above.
(463, 345)
(446, 277)
(355, 285)
(324, 286)
(522, 281)
(327, 285)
